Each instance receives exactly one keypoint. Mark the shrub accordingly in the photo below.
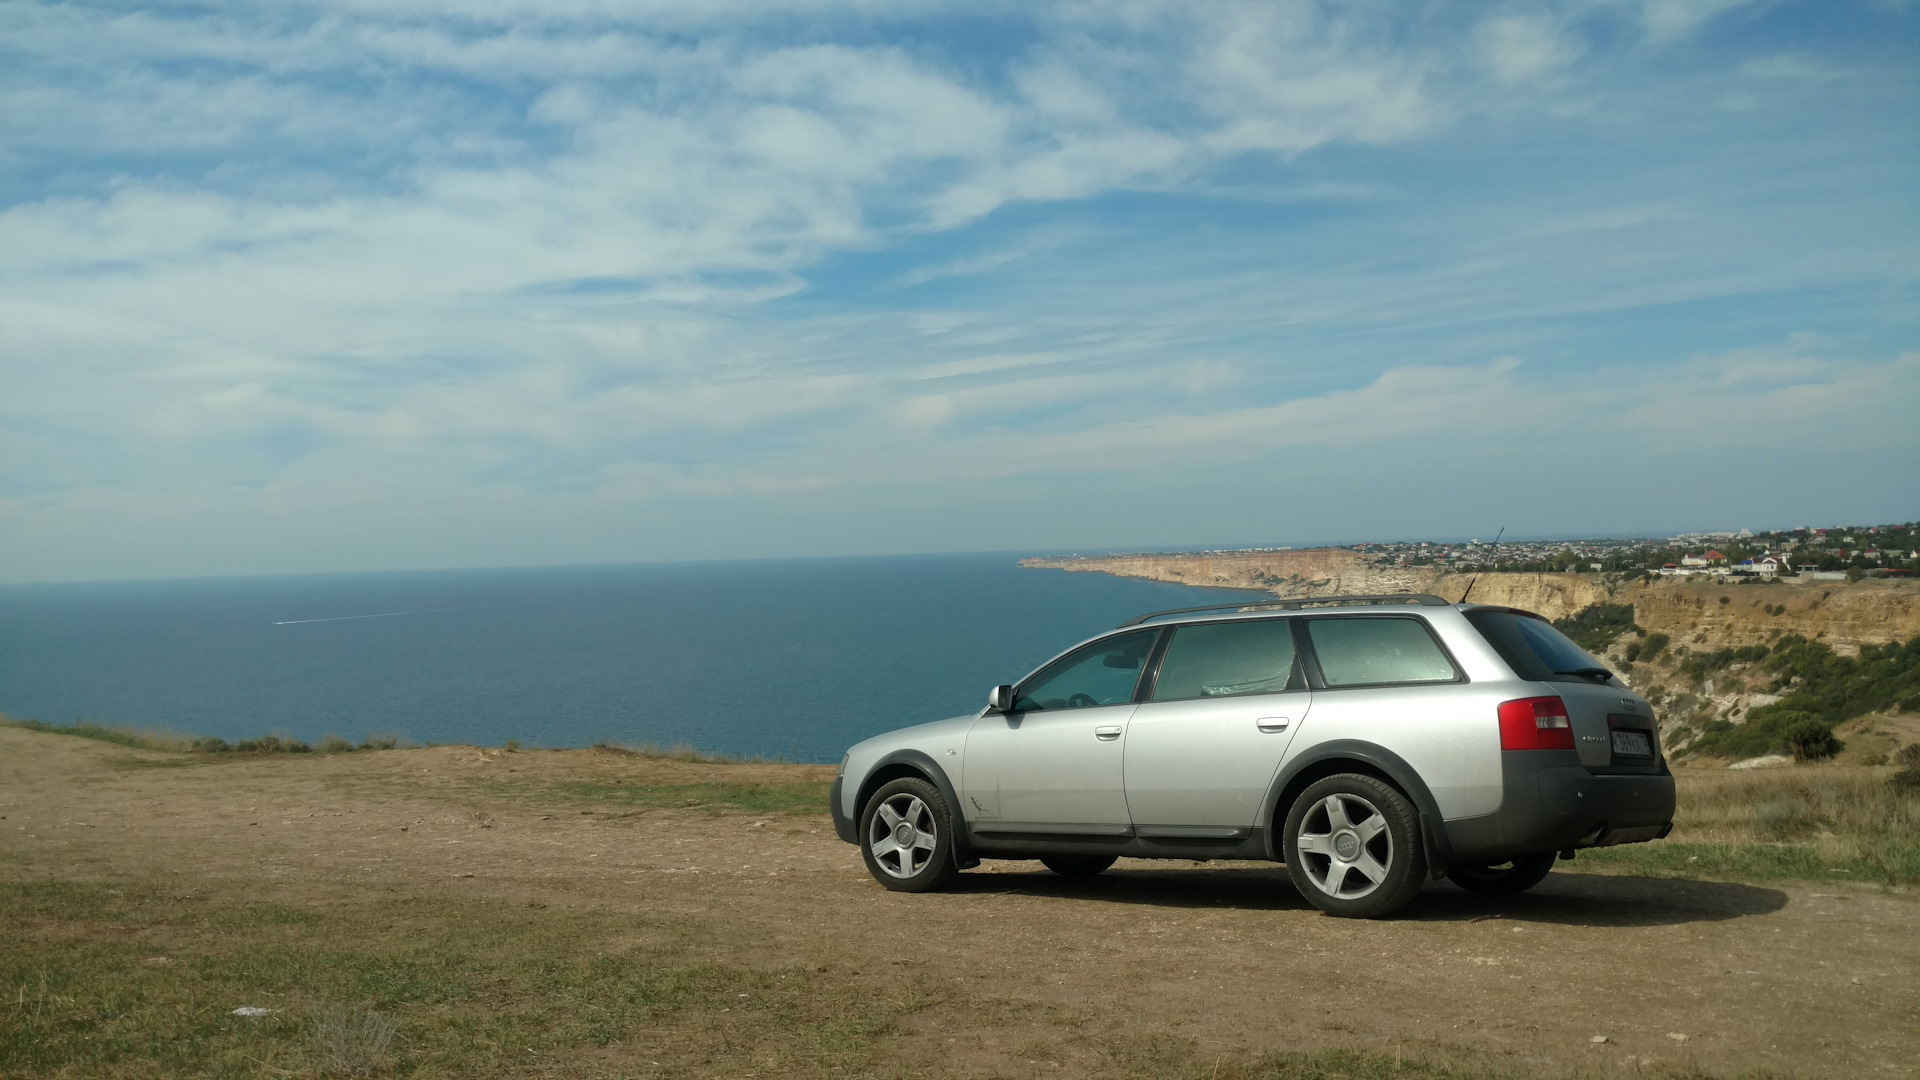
(1783, 817)
(1701, 665)
(1765, 732)
(385, 742)
(512, 745)
(1593, 628)
(272, 744)
(1653, 645)
(1908, 755)
(334, 744)
(207, 744)
(1810, 739)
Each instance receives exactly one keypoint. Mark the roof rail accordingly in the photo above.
(1295, 603)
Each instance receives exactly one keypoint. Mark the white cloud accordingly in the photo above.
(1667, 20)
(379, 255)
(1522, 48)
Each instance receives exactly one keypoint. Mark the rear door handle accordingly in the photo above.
(1109, 732)
(1272, 723)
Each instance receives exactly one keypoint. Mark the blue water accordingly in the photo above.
(799, 658)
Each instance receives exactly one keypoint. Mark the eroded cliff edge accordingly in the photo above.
(1843, 614)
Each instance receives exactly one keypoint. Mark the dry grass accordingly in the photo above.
(352, 1042)
(684, 752)
(567, 913)
(1807, 821)
(119, 735)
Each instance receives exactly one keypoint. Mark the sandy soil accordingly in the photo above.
(1800, 979)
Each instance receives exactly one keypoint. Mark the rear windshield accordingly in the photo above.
(1531, 646)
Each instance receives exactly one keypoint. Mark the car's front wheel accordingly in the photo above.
(1515, 875)
(1353, 847)
(906, 836)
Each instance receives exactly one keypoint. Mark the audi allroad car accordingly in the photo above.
(1366, 742)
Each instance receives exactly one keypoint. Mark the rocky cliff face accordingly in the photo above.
(1338, 571)
(1705, 615)
(1716, 616)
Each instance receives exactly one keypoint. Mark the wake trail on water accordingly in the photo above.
(344, 618)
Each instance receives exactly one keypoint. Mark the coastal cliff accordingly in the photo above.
(1845, 615)
(1340, 572)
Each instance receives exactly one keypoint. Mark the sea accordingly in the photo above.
(793, 658)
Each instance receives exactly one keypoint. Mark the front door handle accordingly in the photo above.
(1107, 732)
(1272, 723)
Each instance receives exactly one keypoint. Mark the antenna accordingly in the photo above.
(1476, 573)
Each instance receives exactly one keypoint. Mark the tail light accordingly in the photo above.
(1535, 723)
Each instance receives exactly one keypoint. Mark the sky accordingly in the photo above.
(418, 284)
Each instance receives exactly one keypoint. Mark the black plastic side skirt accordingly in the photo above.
(989, 843)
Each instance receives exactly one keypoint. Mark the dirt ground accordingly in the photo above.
(1795, 979)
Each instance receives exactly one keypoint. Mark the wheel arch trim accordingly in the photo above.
(907, 762)
(1322, 760)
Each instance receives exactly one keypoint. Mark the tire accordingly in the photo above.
(1076, 865)
(913, 848)
(1515, 875)
(1363, 857)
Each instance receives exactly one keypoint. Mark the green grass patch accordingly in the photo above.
(135, 980)
(1893, 864)
(397, 987)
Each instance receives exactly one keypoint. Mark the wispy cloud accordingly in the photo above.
(433, 269)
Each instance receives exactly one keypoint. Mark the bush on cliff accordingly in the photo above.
(1820, 687)
(1809, 738)
(1594, 627)
(1655, 643)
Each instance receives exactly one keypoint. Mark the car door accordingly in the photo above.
(1208, 738)
(1053, 764)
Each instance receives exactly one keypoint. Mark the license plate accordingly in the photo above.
(1632, 744)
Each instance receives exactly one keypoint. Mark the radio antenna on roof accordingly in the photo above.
(1476, 573)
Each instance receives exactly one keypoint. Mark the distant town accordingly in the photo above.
(1847, 552)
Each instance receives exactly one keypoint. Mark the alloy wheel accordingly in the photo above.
(1345, 846)
(902, 835)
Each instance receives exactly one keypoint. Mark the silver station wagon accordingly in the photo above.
(1369, 743)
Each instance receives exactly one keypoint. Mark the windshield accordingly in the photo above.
(1531, 646)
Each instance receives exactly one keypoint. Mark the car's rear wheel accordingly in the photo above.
(1515, 875)
(1076, 865)
(906, 836)
(1353, 847)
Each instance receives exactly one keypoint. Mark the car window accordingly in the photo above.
(1368, 650)
(1103, 673)
(1224, 659)
(1531, 646)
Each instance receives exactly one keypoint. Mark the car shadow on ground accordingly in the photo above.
(1566, 899)
(1572, 899)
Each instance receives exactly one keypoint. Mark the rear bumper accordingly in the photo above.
(1552, 803)
(843, 826)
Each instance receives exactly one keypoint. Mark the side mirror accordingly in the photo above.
(1000, 699)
